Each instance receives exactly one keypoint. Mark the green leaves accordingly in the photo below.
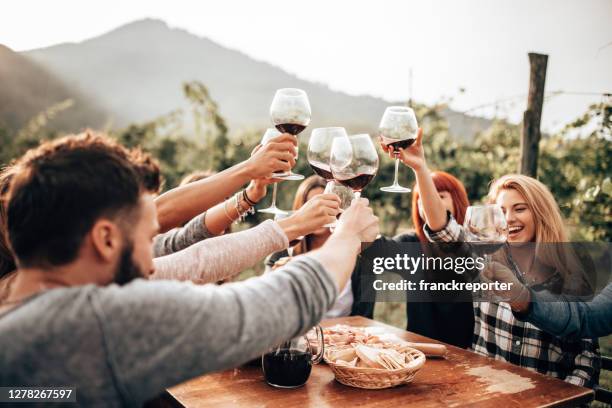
(574, 164)
(606, 186)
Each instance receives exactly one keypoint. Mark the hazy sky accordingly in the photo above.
(369, 47)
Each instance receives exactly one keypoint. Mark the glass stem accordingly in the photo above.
(274, 195)
(395, 183)
(356, 195)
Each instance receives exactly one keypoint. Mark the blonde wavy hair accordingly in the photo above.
(549, 229)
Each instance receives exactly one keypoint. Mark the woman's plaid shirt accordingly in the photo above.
(498, 333)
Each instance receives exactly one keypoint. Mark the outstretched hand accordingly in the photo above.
(276, 155)
(314, 214)
(359, 220)
(257, 189)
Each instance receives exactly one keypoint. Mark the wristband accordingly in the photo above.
(242, 212)
(247, 199)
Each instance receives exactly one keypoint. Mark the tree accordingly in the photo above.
(574, 163)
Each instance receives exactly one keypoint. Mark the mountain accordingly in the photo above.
(28, 89)
(136, 72)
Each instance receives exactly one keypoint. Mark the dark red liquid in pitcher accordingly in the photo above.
(287, 368)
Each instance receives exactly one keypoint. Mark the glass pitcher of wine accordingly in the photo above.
(289, 364)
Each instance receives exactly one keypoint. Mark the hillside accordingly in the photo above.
(136, 72)
(28, 88)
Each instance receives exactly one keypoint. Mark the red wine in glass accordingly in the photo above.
(291, 128)
(356, 183)
(398, 128)
(396, 145)
(322, 169)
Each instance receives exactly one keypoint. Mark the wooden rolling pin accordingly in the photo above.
(429, 349)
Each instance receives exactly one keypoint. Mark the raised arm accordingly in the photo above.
(225, 256)
(222, 257)
(212, 222)
(179, 205)
(220, 217)
(183, 237)
(414, 157)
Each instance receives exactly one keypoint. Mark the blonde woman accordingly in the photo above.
(533, 216)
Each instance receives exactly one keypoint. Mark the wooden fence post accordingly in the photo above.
(530, 138)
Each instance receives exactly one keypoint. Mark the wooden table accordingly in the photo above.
(462, 379)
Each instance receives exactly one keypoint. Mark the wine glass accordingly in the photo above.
(272, 209)
(486, 224)
(398, 129)
(354, 161)
(319, 150)
(294, 242)
(290, 113)
(487, 231)
(344, 193)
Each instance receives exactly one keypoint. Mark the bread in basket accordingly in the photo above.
(374, 367)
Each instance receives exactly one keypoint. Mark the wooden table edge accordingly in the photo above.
(167, 399)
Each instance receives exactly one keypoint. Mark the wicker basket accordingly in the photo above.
(377, 378)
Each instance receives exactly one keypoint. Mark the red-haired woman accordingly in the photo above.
(451, 322)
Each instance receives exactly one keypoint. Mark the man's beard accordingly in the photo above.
(127, 270)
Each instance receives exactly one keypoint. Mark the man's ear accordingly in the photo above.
(106, 239)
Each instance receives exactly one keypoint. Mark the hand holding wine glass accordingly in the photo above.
(398, 130)
(486, 231)
(413, 156)
(344, 194)
(313, 215)
(358, 221)
(271, 138)
(290, 113)
(277, 154)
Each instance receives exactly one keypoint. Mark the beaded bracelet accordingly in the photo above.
(242, 212)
